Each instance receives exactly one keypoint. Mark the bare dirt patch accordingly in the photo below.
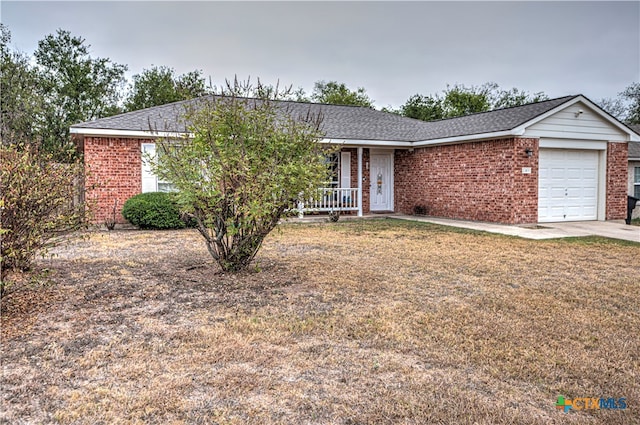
(359, 322)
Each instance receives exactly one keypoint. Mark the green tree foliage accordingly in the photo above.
(38, 208)
(459, 100)
(626, 106)
(632, 95)
(244, 169)
(159, 86)
(20, 102)
(515, 97)
(75, 88)
(336, 93)
(425, 108)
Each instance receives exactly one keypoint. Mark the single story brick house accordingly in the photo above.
(562, 159)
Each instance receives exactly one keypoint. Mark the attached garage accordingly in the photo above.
(568, 185)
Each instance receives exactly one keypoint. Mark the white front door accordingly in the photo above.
(567, 185)
(381, 178)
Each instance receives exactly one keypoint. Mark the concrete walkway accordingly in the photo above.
(609, 229)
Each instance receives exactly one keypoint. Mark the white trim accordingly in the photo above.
(128, 133)
(469, 137)
(572, 144)
(345, 170)
(601, 201)
(148, 180)
(359, 142)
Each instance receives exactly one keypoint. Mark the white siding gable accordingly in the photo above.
(569, 123)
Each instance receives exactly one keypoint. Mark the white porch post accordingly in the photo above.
(359, 182)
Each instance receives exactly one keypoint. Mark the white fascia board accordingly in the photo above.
(595, 108)
(104, 132)
(470, 137)
(356, 142)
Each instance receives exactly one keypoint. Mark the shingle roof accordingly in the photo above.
(489, 122)
(634, 147)
(339, 122)
(345, 122)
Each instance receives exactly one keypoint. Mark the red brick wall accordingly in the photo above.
(480, 181)
(113, 174)
(616, 181)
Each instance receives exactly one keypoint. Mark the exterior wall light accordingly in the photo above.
(529, 152)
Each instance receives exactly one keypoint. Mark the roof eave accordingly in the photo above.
(134, 134)
(363, 142)
(470, 137)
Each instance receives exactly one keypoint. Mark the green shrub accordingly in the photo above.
(154, 210)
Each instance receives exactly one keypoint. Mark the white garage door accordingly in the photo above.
(567, 185)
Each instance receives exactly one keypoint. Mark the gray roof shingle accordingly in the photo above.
(489, 122)
(339, 122)
(344, 122)
(634, 147)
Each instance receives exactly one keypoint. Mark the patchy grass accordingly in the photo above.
(362, 322)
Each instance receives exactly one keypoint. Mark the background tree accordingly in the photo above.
(75, 88)
(459, 100)
(20, 102)
(632, 95)
(159, 86)
(515, 97)
(336, 93)
(626, 106)
(243, 171)
(425, 108)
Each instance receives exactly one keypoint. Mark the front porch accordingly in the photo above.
(363, 186)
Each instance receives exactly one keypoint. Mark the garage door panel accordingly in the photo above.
(567, 185)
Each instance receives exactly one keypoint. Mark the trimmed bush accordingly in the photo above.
(153, 210)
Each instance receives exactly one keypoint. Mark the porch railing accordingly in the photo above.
(330, 199)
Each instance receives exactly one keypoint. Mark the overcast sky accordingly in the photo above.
(392, 49)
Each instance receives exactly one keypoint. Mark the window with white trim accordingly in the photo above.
(150, 182)
(339, 164)
(636, 182)
(333, 163)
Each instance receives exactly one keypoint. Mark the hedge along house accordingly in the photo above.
(563, 159)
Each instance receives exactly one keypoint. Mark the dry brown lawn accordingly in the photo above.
(362, 322)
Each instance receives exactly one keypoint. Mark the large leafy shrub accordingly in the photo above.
(153, 210)
(243, 170)
(39, 205)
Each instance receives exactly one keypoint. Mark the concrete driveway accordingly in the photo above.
(609, 229)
